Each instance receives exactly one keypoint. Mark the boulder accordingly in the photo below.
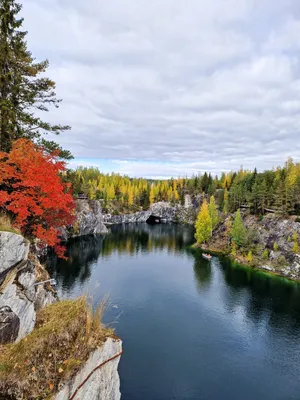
(20, 294)
(9, 325)
(98, 379)
(13, 249)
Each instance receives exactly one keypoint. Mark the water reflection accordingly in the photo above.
(202, 271)
(128, 239)
(82, 254)
(260, 293)
(264, 296)
(213, 322)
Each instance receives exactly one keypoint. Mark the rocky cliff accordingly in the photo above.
(23, 314)
(262, 234)
(89, 220)
(20, 297)
(98, 379)
(165, 211)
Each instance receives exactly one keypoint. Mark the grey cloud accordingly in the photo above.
(174, 82)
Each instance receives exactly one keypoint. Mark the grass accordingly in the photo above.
(65, 334)
(6, 224)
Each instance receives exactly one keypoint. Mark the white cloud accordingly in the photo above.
(172, 81)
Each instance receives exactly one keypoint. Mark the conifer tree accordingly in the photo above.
(238, 231)
(22, 91)
(213, 212)
(203, 224)
(226, 203)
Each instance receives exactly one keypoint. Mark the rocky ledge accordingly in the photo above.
(20, 297)
(271, 233)
(166, 212)
(89, 220)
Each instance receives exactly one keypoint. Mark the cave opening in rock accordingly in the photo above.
(153, 219)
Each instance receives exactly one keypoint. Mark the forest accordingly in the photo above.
(276, 190)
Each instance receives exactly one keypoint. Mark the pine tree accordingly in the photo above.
(21, 90)
(213, 212)
(238, 231)
(226, 205)
(203, 224)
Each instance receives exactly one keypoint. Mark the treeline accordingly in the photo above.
(122, 192)
(277, 190)
(128, 193)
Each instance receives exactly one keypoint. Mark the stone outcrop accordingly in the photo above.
(18, 292)
(165, 211)
(89, 220)
(13, 249)
(9, 325)
(101, 383)
(262, 234)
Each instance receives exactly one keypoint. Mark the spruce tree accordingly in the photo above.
(203, 224)
(213, 212)
(22, 91)
(238, 230)
(226, 205)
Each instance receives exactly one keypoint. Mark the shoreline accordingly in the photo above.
(236, 262)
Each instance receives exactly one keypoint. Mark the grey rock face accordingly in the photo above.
(17, 287)
(24, 298)
(164, 210)
(89, 217)
(9, 325)
(13, 249)
(264, 233)
(104, 383)
(89, 220)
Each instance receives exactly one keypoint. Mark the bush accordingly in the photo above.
(265, 254)
(275, 246)
(297, 219)
(260, 217)
(281, 261)
(295, 247)
(249, 257)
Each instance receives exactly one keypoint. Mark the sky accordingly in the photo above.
(165, 88)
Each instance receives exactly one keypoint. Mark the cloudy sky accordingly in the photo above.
(172, 87)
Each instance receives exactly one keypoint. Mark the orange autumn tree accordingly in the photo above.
(32, 191)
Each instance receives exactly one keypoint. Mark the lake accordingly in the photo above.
(191, 329)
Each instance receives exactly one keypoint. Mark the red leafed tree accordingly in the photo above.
(32, 191)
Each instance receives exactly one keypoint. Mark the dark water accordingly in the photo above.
(190, 329)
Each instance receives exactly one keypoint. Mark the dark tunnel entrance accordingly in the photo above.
(153, 220)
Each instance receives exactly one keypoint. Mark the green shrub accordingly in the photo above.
(275, 246)
(295, 247)
(265, 254)
(249, 257)
(281, 261)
